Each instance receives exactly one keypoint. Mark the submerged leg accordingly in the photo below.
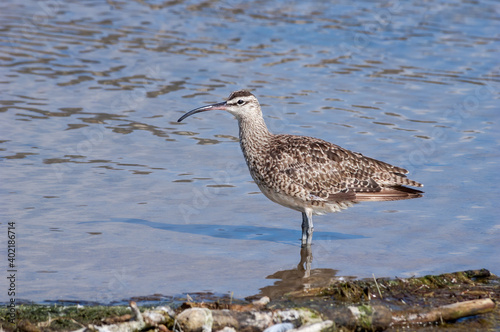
(307, 228)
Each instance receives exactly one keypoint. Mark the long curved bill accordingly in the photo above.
(218, 106)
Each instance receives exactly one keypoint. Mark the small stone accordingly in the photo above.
(262, 301)
(281, 327)
(316, 327)
(195, 320)
(228, 329)
(163, 328)
(166, 309)
(154, 317)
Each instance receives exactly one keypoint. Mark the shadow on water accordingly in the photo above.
(299, 279)
(236, 232)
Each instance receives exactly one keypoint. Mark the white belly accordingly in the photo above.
(300, 205)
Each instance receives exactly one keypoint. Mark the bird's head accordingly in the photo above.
(241, 104)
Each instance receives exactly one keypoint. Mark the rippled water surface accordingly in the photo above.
(112, 198)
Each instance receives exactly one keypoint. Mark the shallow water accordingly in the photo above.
(112, 198)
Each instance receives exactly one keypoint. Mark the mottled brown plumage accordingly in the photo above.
(308, 174)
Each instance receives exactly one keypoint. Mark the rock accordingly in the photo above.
(262, 301)
(364, 317)
(226, 318)
(169, 311)
(163, 328)
(195, 320)
(258, 320)
(281, 327)
(153, 318)
(227, 329)
(316, 327)
(241, 320)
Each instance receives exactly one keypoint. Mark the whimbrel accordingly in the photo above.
(308, 174)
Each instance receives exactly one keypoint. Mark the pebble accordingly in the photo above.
(281, 327)
(228, 329)
(262, 301)
(316, 327)
(196, 320)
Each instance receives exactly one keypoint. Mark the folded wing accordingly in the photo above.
(313, 169)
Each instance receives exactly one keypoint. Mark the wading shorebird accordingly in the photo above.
(308, 174)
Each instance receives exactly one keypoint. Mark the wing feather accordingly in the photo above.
(313, 169)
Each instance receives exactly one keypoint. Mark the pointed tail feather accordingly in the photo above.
(393, 193)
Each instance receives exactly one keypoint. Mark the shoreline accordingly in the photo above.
(441, 301)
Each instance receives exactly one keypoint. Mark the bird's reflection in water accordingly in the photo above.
(300, 279)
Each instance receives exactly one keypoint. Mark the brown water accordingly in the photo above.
(112, 198)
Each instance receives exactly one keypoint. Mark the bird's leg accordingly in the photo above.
(307, 228)
(304, 228)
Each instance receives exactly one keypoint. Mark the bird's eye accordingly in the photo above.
(240, 102)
